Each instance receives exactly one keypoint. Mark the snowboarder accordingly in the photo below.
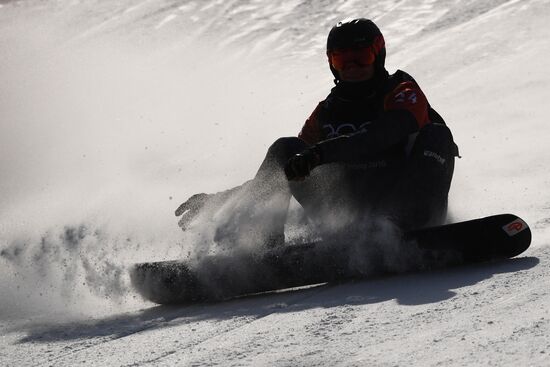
(373, 147)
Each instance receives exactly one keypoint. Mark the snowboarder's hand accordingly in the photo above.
(203, 203)
(191, 208)
(298, 167)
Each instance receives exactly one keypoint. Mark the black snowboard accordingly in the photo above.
(240, 273)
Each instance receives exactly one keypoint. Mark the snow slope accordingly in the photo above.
(111, 114)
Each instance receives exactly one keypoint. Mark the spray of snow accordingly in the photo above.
(100, 142)
(96, 136)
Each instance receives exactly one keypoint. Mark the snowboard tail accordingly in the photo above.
(229, 275)
(490, 238)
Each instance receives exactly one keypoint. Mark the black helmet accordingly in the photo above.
(357, 33)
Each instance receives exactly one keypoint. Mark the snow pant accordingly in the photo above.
(412, 192)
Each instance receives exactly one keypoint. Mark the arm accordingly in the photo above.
(311, 132)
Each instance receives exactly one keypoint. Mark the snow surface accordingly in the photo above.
(113, 113)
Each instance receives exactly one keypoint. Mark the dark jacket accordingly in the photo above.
(362, 122)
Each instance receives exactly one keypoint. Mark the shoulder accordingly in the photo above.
(401, 80)
(331, 97)
(401, 87)
(403, 93)
(311, 131)
(398, 78)
(318, 109)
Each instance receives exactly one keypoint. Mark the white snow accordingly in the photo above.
(166, 20)
(113, 113)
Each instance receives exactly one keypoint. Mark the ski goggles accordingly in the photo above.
(339, 57)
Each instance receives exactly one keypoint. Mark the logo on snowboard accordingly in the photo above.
(515, 227)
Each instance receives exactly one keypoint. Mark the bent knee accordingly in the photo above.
(287, 146)
(436, 139)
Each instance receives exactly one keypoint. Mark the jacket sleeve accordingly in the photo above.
(405, 112)
(409, 97)
(311, 131)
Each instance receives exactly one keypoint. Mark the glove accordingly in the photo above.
(299, 167)
(203, 202)
(191, 208)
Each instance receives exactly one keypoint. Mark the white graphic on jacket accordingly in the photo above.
(331, 131)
